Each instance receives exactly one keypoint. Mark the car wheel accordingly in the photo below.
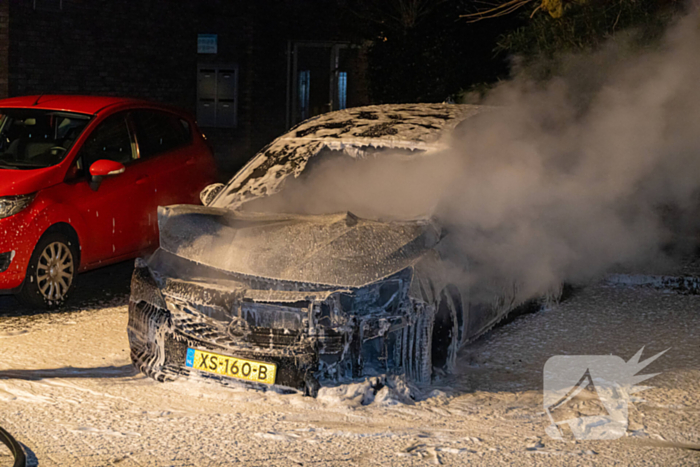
(311, 385)
(444, 342)
(51, 272)
(146, 341)
(417, 344)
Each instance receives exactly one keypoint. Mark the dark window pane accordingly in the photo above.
(48, 5)
(110, 140)
(31, 138)
(159, 132)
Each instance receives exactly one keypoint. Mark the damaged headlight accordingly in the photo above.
(11, 205)
(385, 296)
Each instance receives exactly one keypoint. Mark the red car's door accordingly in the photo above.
(116, 212)
(182, 164)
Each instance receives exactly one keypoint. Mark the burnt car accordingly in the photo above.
(294, 299)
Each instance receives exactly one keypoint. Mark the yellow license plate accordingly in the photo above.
(233, 367)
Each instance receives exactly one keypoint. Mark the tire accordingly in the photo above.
(146, 339)
(445, 340)
(15, 448)
(417, 344)
(311, 385)
(51, 272)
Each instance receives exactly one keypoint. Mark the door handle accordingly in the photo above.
(191, 161)
(142, 180)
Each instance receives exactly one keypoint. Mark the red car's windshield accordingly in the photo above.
(35, 138)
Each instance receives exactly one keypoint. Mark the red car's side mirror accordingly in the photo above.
(104, 168)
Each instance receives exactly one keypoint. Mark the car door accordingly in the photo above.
(116, 211)
(179, 168)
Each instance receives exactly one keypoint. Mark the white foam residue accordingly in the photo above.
(376, 390)
(11, 392)
(96, 431)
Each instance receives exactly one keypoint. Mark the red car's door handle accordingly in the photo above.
(191, 161)
(142, 179)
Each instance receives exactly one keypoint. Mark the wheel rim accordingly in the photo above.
(55, 271)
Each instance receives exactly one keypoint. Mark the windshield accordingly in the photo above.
(355, 131)
(35, 138)
(381, 184)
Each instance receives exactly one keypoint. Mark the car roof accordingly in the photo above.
(71, 103)
(413, 127)
(409, 126)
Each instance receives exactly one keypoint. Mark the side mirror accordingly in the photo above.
(208, 194)
(104, 168)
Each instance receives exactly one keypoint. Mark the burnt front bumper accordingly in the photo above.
(161, 332)
(309, 332)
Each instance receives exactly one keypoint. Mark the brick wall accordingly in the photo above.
(148, 49)
(4, 48)
(104, 47)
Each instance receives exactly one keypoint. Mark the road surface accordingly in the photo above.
(69, 394)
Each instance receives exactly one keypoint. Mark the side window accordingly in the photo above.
(110, 140)
(158, 132)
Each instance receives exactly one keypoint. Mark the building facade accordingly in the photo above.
(247, 70)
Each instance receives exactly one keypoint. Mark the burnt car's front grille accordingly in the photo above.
(241, 331)
(275, 338)
(274, 316)
(332, 341)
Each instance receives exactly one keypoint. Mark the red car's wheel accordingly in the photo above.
(51, 272)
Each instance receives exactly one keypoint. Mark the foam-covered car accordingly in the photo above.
(294, 300)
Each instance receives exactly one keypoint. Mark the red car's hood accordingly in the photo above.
(22, 182)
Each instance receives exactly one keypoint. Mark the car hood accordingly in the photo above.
(335, 249)
(22, 182)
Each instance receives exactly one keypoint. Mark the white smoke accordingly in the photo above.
(563, 181)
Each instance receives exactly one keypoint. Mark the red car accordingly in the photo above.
(80, 182)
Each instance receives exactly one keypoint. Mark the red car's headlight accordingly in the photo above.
(11, 205)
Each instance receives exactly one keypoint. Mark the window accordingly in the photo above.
(48, 5)
(31, 138)
(304, 90)
(110, 140)
(158, 132)
(217, 96)
(333, 181)
(342, 90)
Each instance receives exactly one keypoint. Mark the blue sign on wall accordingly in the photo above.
(207, 43)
